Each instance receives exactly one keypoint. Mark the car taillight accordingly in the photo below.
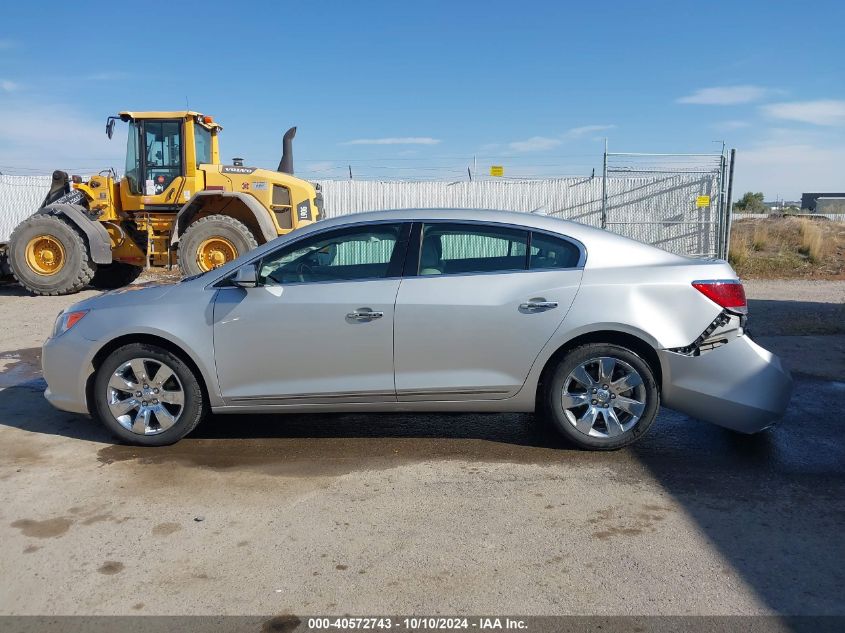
(727, 293)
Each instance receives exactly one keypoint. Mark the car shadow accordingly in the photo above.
(770, 502)
(23, 406)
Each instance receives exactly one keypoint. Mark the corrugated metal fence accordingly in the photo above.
(658, 209)
(20, 197)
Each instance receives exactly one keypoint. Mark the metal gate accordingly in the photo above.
(686, 204)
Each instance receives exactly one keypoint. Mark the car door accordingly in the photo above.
(318, 327)
(474, 314)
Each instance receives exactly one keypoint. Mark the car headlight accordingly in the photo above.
(67, 320)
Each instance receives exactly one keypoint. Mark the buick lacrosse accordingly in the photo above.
(425, 310)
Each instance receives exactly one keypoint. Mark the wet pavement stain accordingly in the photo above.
(616, 521)
(48, 528)
(20, 366)
(164, 529)
(111, 567)
(97, 518)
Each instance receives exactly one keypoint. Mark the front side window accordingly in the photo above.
(203, 143)
(368, 252)
(449, 249)
(163, 154)
(551, 252)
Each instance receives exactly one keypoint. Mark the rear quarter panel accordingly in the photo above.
(655, 302)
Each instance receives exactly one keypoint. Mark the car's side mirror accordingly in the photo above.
(245, 277)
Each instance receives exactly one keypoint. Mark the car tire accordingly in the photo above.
(602, 396)
(211, 242)
(138, 405)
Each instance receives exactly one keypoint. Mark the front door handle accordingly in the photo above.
(364, 314)
(534, 305)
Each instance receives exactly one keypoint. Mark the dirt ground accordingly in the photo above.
(439, 514)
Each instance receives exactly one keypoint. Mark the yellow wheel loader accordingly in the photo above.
(175, 198)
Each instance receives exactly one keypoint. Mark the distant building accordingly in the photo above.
(810, 201)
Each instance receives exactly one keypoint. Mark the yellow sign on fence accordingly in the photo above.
(702, 201)
(497, 170)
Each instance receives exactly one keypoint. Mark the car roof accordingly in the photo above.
(528, 220)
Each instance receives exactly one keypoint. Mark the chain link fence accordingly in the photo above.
(675, 201)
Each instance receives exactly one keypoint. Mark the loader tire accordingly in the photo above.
(211, 242)
(49, 256)
(115, 275)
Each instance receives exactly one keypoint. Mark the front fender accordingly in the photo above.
(187, 213)
(96, 236)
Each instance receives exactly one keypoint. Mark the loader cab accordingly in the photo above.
(163, 153)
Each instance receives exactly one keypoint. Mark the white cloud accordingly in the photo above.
(821, 112)
(728, 126)
(578, 132)
(542, 143)
(535, 144)
(726, 95)
(8, 86)
(395, 140)
(52, 136)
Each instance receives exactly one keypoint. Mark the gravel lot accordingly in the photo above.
(315, 514)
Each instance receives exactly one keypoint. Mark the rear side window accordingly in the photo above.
(449, 249)
(551, 252)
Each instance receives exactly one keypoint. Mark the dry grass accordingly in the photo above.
(777, 248)
(813, 242)
(760, 238)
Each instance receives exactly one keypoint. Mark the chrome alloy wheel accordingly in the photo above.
(145, 396)
(603, 397)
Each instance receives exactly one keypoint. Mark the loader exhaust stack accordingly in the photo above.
(286, 164)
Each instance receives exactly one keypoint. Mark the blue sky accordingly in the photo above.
(401, 89)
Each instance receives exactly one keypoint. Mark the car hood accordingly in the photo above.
(136, 294)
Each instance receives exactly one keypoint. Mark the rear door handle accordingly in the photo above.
(535, 305)
(364, 314)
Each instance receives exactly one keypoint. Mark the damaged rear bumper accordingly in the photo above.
(739, 385)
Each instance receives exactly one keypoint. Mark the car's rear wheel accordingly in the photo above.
(147, 395)
(602, 396)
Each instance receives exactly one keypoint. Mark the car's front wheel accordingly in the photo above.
(147, 395)
(602, 396)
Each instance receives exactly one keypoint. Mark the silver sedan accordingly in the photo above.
(425, 310)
